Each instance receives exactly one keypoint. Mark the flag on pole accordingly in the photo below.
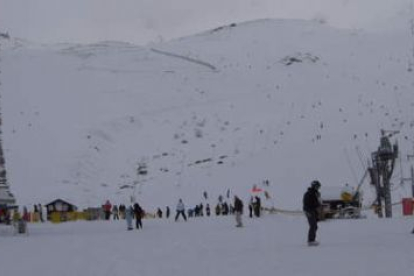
(256, 189)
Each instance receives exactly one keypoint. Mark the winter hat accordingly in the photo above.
(315, 184)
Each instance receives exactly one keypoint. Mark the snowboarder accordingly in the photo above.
(180, 210)
(311, 206)
(238, 211)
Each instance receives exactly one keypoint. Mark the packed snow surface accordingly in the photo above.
(270, 245)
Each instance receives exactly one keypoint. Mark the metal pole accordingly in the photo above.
(387, 194)
(412, 180)
(3, 177)
(378, 187)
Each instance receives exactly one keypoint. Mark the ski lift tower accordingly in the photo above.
(383, 162)
(142, 170)
(6, 197)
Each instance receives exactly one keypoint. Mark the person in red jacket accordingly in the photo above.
(107, 209)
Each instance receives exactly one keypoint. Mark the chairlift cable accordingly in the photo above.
(350, 166)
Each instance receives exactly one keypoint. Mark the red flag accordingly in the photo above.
(256, 189)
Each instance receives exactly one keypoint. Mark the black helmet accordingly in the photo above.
(315, 184)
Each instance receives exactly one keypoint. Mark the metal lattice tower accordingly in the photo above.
(3, 178)
(383, 162)
(5, 196)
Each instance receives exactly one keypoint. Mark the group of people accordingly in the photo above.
(128, 213)
(116, 211)
(311, 207)
(237, 209)
(136, 212)
(7, 216)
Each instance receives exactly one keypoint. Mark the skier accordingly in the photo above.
(225, 209)
(129, 213)
(26, 215)
(159, 213)
(139, 213)
(257, 206)
(251, 207)
(180, 210)
(311, 205)
(35, 213)
(201, 209)
(40, 209)
(208, 210)
(218, 209)
(167, 212)
(122, 211)
(107, 209)
(238, 211)
(115, 212)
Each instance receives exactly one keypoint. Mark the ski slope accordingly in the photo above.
(287, 101)
(274, 103)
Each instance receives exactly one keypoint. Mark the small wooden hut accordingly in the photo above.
(60, 210)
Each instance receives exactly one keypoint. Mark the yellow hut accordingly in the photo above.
(60, 210)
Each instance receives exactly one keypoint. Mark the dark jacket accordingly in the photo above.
(238, 205)
(138, 211)
(311, 202)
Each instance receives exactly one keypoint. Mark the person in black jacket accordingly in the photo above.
(311, 206)
(238, 211)
(167, 212)
(138, 213)
(257, 206)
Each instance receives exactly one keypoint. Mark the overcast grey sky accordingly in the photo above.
(143, 21)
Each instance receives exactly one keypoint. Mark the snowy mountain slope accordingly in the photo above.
(143, 21)
(284, 100)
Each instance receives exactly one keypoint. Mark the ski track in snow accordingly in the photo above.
(192, 60)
